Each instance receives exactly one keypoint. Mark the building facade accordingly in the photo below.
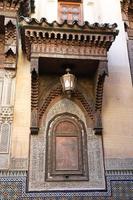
(66, 99)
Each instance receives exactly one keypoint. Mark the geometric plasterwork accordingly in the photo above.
(9, 11)
(39, 151)
(8, 45)
(5, 129)
(6, 119)
(6, 114)
(8, 57)
(13, 185)
(6, 111)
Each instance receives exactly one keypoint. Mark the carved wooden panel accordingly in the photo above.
(66, 143)
(67, 159)
(67, 153)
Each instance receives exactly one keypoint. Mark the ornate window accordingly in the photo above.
(70, 11)
(67, 159)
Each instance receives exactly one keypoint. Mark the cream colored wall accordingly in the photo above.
(49, 10)
(91, 9)
(118, 92)
(21, 123)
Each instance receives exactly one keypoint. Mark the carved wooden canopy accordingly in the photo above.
(52, 44)
(127, 14)
(67, 39)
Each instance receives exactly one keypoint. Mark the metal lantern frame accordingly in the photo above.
(68, 82)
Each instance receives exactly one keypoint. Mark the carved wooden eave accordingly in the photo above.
(81, 43)
(94, 39)
(11, 8)
(124, 8)
(126, 4)
(127, 15)
(26, 8)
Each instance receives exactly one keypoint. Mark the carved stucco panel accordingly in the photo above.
(65, 105)
(95, 156)
(38, 155)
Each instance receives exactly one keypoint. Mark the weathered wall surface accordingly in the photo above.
(118, 93)
(22, 110)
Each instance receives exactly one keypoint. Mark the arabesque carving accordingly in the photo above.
(57, 91)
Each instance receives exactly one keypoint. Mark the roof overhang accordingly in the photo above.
(43, 39)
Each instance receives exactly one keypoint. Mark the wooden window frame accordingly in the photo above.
(79, 174)
(70, 4)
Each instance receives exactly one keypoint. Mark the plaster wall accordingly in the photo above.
(21, 123)
(49, 10)
(118, 91)
(118, 96)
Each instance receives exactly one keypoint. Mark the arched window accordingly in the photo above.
(66, 149)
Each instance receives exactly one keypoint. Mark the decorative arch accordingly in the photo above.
(57, 91)
(63, 129)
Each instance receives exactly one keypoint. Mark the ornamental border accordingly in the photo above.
(110, 180)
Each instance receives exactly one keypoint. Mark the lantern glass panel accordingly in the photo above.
(68, 82)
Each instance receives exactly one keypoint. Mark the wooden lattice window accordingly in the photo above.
(67, 159)
(70, 11)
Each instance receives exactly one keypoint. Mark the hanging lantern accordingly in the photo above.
(68, 82)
